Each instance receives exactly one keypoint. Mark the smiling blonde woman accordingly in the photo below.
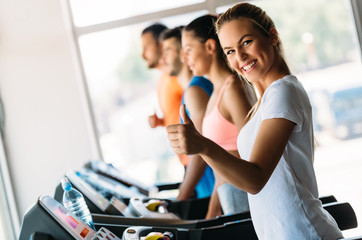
(276, 145)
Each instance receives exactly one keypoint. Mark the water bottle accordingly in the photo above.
(74, 202)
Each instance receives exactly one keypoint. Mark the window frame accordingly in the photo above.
(356, 7)
(8, 206)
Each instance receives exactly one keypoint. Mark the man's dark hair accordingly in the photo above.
(156, 30)
(170, 33)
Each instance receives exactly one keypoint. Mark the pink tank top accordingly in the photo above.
(217, 128)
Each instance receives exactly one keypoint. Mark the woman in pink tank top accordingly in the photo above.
(231, 99)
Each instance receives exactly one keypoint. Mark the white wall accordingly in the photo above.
(45, 119)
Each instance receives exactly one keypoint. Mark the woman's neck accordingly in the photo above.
(278, 70)
(218, 74)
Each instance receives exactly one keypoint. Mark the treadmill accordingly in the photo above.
(49, 220)
(41, 222)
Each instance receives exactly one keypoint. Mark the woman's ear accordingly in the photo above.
(274, 36)
(210, 45)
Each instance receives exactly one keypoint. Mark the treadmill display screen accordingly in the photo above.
(76, 227)
(67, 218)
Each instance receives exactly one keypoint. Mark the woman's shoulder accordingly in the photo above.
(288, 83)
(237, 85)
(236, 90)
(195, 93)
(200, 84)
(287, 89)
(196, 80)
(233, 82)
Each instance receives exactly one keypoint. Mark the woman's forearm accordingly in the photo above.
(234, 170)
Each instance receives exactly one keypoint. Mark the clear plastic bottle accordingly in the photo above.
(74, 202)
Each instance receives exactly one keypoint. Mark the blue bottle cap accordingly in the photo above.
(66, 184)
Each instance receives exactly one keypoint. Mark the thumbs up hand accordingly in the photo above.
(184, 138)
(185, 119)
(154, 121)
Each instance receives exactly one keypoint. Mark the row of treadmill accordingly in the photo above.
(126, 209)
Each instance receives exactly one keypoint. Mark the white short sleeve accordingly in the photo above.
(282, 100)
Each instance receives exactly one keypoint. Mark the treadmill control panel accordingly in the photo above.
(76, 227)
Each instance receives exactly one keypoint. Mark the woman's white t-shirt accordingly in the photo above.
(288, 206)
